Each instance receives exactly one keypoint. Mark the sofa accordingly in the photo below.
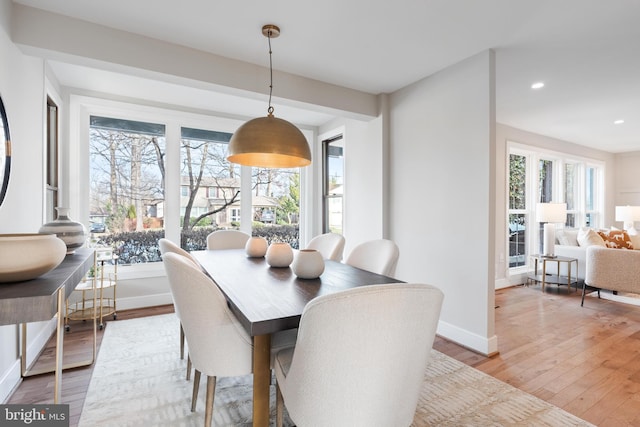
(612, 269)
(607, 259)
(573, 243)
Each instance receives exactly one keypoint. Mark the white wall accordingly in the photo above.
(627, 180)
(363, 181)
(442, 193)
(21, 88)
(506, 133)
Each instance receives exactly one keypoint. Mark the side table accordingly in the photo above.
(540, 261)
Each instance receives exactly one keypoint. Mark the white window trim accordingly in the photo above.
(81, 107)
(534, 155)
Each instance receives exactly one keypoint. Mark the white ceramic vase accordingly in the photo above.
(71, 232)
(279, 254)
(308, 264)
(256, 247)
(27, 256)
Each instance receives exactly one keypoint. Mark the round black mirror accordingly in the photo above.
(5, 152)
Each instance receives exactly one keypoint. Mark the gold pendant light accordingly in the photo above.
(269, 142)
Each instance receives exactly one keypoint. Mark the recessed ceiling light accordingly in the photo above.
(537, 85)
(618, 122)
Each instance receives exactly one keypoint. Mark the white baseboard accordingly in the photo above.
(9, 381)
(475, 342)
(502, 283)
(144, 301)
(36, 342)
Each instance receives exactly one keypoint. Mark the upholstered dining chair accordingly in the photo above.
(360, 357)
(218, 344)
(378, 256)
(227, 239)
(330, 245)
(167, 246)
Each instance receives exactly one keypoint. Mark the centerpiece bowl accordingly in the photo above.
(29, 255)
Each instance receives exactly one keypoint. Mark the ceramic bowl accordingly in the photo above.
(27, 256)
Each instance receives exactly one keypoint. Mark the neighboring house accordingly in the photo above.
(213, 194)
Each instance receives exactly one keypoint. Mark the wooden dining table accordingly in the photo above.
(267, 300)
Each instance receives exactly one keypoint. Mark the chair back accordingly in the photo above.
(227, 239)
(361, 356)
(330, 245)
(218, 345)
(378, 256)
(167, 246)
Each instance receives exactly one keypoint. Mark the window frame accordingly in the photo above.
(326, 196)
(534, 155)
(81, 107)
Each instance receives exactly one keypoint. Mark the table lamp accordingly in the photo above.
(550, 214)
(628, 215)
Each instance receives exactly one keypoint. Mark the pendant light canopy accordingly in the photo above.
(269, 142)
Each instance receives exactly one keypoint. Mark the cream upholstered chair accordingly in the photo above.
(227, 239)
(378, 256)
(167, 246)
(218, 344)
(330, 245)
(360, 357)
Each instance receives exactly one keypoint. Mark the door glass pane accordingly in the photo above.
(517, 182)
(516, 228)
(209, 187)
(546, 181)
(570, 186)
(590, 188)
(127, 187)
(517, 238)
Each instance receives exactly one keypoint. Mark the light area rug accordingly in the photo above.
(623, 297)
(139, 380)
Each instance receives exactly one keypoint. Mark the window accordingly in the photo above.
(212, 196)
(518, 215)
(126, 193)
(571, 192)
(333, 188)
(276, 201)
(182, 173)
(52, 160)
(542, 177)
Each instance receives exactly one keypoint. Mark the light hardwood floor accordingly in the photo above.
(582, 359)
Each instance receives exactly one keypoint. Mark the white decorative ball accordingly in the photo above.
(256, 247)
(279, 255)
(308, 264)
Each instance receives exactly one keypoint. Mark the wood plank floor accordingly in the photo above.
(582, 359)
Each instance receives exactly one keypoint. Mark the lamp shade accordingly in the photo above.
(551, 212)
(627, 213)
(269, 142)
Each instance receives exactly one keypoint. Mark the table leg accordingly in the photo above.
(261, 379)
(59, 348)
(544, 273)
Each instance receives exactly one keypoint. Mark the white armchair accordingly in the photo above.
(378, 256)
(227, 239)
(360, 357)
(218, 344)
(330, 245)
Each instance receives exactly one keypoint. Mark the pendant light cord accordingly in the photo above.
(270, 109)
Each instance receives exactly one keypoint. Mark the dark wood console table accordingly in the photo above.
(43, 298)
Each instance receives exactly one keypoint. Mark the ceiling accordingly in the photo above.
(587, 52)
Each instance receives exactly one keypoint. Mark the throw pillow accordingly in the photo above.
(635, 241)
(616, 239)
(588, 237)
(567, 237)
